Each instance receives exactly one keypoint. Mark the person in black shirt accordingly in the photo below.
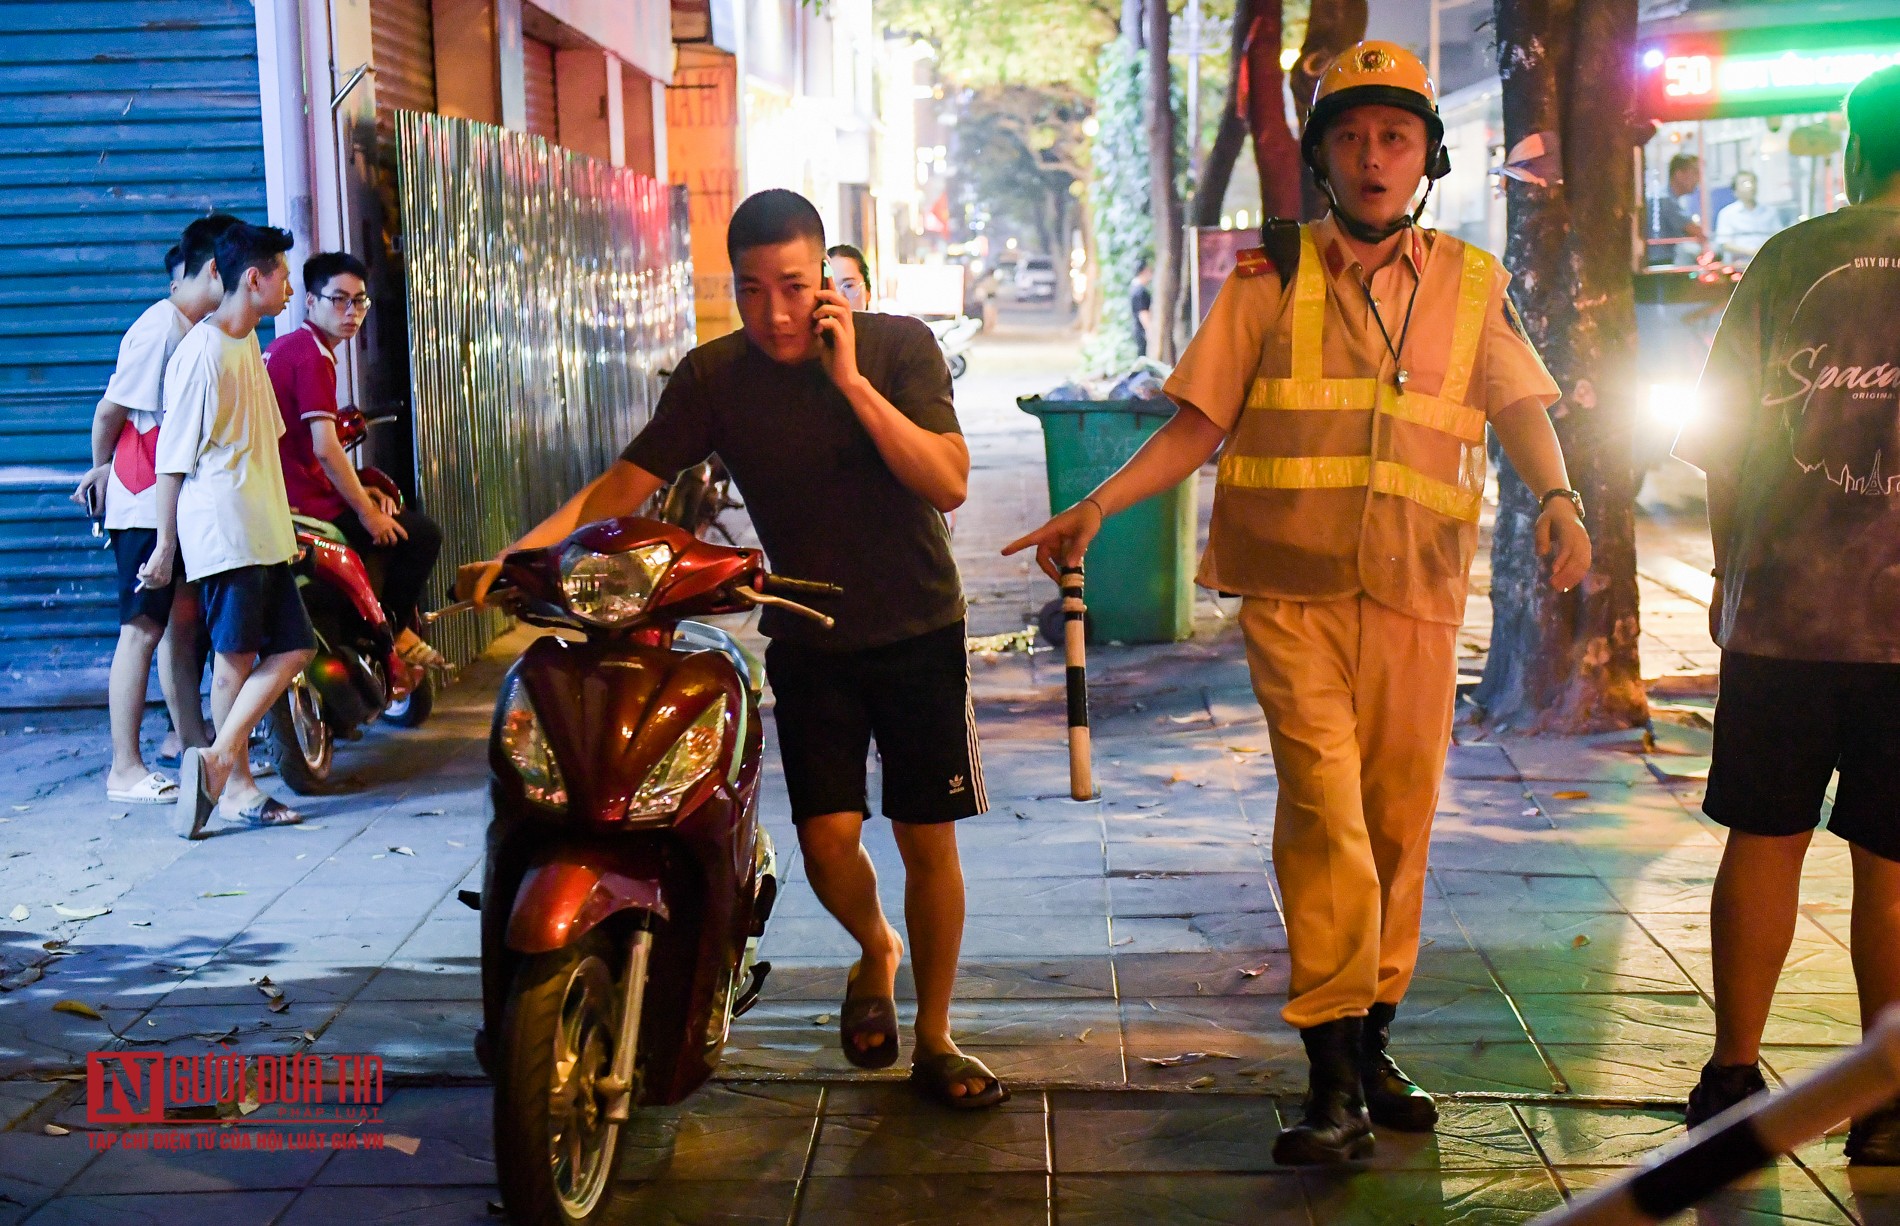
(1141, 305)
(838, 428)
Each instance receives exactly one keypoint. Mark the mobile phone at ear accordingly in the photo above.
(824, 283)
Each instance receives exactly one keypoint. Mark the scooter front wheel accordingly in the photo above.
(301, 743)
(554, 1146)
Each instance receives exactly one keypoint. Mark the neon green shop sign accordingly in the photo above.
(1761, 72)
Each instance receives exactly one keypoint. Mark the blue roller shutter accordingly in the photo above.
(120, 121)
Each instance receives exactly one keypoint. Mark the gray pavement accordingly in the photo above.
(1124, 961)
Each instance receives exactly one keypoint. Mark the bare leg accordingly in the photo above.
(846, 883)
(179, 665)
(933, 916)
(1751, 925)
(125, 697)
(242, 691)
(1876, 932)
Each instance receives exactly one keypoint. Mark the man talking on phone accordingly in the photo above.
(839, 430)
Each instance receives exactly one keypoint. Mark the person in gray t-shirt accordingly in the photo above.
(1801, 444)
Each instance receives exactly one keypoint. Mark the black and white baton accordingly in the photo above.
(1747, 1137)
(1075, 653)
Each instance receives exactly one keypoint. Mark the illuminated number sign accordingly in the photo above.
(1762, 71)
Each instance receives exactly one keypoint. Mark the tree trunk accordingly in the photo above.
(1331, 27)
(1217, 167)
(1569, 662)
(1276, 154)
(1164, 200)
(1131, 22)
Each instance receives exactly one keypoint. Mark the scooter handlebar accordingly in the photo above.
(780, 585)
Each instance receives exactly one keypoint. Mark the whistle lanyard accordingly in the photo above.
(1405, 328)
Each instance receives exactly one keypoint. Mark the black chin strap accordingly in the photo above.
(1375, 234)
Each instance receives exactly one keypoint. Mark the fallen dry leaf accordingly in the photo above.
(278, 1005)
(1201, 1083)
(402, 851)
(81, 913)
(1253, 972)
(78, 1008)
(396, 1141)
(1186, 1057)
(18, 913)
(54, 1130)
(1084, 1036)
(223, 893)
(1579, 941)
(1570, 795)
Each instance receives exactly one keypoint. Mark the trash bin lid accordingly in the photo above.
(1038, 407)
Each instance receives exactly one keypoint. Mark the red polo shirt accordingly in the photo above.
(303, 371)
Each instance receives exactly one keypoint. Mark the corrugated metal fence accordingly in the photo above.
(120, 121)
(547, 291)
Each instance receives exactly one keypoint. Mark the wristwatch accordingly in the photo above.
(1576, 499)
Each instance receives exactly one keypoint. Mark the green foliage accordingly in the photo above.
(1119, 196)
(1008, 42)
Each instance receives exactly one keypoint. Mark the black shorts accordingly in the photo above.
(131, 548)
(257, 610)
(1783, 727)
(912, 697)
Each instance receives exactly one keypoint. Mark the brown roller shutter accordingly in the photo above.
(402, 45)
(537, 70)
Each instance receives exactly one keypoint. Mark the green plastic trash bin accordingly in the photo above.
(1141, 565)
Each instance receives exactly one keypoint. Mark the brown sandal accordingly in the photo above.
(863, 1016)
(933, 1075)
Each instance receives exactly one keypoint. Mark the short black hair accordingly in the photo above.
(244, 247)
(320, 269)
(1683, 161)
(769, 217)
(1873, 115)
(200, 240)
(174, 260)
(845, 251)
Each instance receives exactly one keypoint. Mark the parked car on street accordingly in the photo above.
(1036, 279)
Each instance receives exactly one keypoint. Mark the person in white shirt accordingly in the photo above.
(1745, 224)
(121, 490)
(224, 513)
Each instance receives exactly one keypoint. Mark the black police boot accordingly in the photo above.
(1333, 1127)
(1392, 1099)
(1720, 1087)
(1875, 1141)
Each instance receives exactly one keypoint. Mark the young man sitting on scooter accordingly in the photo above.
(839, 430)
(319, 473)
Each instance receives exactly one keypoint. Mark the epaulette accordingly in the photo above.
(1279, 250)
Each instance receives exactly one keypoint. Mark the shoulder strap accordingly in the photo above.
(1280, 239)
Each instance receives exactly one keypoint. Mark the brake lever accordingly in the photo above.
(755, 597)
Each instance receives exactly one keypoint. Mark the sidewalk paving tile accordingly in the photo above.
(930, 1140)
(412, 1206)
(1198, 1199)
(1019, 1199)
(1428, 1198)
(161, 1209)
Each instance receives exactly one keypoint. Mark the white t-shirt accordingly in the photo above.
(220, 430)
(138, 383)
(1752, 227)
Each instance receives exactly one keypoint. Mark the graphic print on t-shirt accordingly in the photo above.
(1840, 387)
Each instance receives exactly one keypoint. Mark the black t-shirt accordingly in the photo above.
(1801, 408)
(825, 504)
(1140, 298)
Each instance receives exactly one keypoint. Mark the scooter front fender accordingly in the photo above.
(566, 895)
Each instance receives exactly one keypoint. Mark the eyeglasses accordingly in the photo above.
(358, 302)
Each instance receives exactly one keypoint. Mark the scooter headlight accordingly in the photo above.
(527, 748)
(607, 589)
(686, 763)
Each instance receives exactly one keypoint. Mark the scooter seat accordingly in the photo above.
(319, 527)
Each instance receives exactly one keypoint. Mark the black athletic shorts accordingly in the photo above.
(1783, 727)
(912, 697)
(131, 549)
(257, 609)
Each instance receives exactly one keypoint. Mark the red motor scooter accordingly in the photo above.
(627, 879)
(357, 675)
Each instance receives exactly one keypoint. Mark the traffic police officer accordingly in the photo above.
(1346, 375)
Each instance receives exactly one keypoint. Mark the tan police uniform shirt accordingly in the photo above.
(1247, 337)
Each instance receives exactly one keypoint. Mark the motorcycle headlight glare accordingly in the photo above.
(607, 589)
(686, 763)
(527, 748)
